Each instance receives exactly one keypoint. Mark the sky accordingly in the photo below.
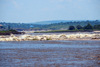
(26, 11)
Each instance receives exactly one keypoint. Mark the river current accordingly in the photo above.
(68, 53)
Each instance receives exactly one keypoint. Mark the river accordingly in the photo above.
(58, 53)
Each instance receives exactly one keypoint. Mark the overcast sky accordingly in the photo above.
(44, 10)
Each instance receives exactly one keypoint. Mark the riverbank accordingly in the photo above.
(27, 37)
(58, 31)
(8, 32)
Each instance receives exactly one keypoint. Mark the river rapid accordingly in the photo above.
(51, 36)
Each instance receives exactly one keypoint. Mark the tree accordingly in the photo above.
(79, 27)
(9, 27)
(97, 27)
(88, 27)
(71, 28)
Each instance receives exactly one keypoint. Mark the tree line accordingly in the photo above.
(78, 25)
(88, 27)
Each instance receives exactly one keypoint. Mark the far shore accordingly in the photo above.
(8, 32)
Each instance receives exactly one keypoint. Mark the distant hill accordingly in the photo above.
(50, 25)
(19, 25)
(58, 21)
(51, 22)
(66, 24)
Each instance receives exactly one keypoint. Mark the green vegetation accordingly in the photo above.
(96, 27)
(8, 32)
(71, 28)
(53, 31)
(64, 25)
(78, 28)
(88, 27)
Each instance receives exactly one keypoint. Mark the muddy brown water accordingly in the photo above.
(50, 53)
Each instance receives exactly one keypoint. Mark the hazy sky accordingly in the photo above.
(43, 10)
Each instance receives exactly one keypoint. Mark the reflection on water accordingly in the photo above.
(50, 54)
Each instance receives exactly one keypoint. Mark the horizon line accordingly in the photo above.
(49, 21)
